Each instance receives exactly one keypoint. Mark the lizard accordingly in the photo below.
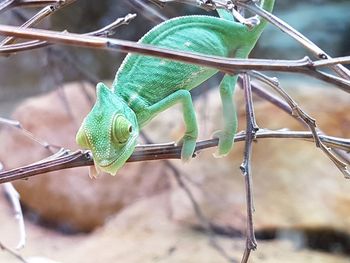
(145, 86)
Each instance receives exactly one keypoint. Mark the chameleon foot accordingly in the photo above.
(225, 143)
(188, 146)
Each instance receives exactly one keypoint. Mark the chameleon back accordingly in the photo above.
(153, 79)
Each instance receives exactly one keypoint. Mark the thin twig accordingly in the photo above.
(153, 152)
(8, 4)
(13, 253)
(17, 125)
(154, 15)
(29, 45)
(227, 65)
(37, 18)
(319, 53)
(251, 130)
(198, 211)
(306, 119)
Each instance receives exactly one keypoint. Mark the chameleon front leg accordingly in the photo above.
(189, 115)
(227, 135)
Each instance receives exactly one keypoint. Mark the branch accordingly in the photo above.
(37, 18)
(308, 44)
(227, 65)
(66, 159)
(251, 130)
(8, 4)
(256, 9)
(29, 45)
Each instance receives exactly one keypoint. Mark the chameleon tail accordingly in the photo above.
(268, 6)
(265, 4)
(225, 14)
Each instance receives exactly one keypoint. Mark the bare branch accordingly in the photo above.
(332, 61)
(227, 65)
(29, 45)
(319, 53)
(67, 159)
(306, 119)
(38, 17)
(251, 130)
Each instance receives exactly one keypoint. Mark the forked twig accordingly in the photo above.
(38, 17)
(34, 44)
(8, 4)
(17, 125)
(306, 119)
(308, 44)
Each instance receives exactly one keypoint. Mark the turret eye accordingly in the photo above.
(121, 129)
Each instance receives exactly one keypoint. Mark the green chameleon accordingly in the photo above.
(145, 86)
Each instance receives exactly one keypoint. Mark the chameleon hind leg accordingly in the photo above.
(227, 135)
(189, 115)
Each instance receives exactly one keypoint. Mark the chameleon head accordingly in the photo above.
(110, 131)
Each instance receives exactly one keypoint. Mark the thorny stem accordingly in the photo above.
(306, 119)
(198, 211)
(251, 130)
(105, 31)
(227, 65)
(67, 159)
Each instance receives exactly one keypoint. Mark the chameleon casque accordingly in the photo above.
(145, 86)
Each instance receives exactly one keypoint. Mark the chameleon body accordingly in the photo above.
(145, 86)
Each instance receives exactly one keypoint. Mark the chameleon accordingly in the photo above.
(144, 86)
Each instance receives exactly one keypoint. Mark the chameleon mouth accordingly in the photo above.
(113, 166)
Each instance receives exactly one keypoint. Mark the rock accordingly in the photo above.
(69, 199)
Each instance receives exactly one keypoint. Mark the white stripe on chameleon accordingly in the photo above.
(150, 32)
(132, 97)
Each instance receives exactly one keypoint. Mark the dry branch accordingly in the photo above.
(66, 159)
(227, 65)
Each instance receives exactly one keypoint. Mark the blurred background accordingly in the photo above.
(142, 215)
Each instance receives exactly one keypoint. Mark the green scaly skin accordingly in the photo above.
(145, 86)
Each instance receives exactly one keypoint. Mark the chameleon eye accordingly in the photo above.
(122, 129)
